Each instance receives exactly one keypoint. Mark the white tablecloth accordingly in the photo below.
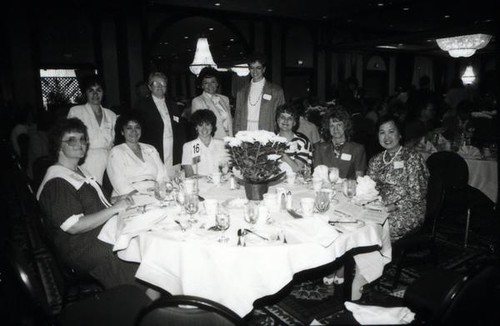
(194, 263)
(483, 175)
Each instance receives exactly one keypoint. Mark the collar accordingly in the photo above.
(259, 83)
(157, 100)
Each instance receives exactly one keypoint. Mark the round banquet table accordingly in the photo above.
(193, 262)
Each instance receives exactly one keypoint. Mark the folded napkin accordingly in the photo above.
(365, 189)
(310, 230)
(321, 172)
(375, 315)
(142, 222)
(468, 151)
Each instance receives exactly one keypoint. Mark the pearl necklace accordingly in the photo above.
(392, 159)
(258, 97)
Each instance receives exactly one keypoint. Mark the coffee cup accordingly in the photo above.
(307, 206)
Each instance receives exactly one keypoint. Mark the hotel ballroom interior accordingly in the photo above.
(343, 167)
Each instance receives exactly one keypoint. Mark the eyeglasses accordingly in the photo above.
(158, 84)
(73, 141)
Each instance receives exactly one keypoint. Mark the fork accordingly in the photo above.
(183, 229)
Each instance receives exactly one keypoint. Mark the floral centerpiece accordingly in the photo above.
(256, 156)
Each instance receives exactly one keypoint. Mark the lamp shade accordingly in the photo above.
(468, 77)
(464, 45)
(202, 57)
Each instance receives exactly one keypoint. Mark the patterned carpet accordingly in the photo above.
(314, 301)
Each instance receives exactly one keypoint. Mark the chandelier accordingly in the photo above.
(468, 77)
(241, 69)
(202, 57)
(465, 45)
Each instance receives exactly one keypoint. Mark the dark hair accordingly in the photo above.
(388, 118)
(91, 81)
(207, 72)
(204, 116)
(121, 122)
(61, 128)
(338, 113)
(290, 108)
(257, 57)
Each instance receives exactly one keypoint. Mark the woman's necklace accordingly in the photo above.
(393, 158)
(252, 103)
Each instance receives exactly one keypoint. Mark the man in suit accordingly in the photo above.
(257, 101)
(163, 125)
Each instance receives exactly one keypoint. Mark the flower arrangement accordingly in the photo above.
(256, 155)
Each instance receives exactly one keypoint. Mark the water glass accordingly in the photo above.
(191, 206)
(349, 188)
(223, 222)
(224, 168)
(305, 173)
(251, 212)
(322, 202)
(307, 206)
(333, 175)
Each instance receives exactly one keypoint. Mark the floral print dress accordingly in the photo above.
(402, 181)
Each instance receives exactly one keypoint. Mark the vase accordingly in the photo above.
(254, 191)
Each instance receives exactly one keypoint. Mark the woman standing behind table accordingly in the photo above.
(76, 209)
(338, 151)
(100, 123)
(203, 155)
(401, 176)
(133, 165)
(298, 153)
(217, 103)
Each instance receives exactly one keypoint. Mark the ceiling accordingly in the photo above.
(386, 25)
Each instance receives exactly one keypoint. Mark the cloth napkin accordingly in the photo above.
(321, 172)
(142, 222)
(468, 151)
(310, 230)
(375, 315)
(365, 189)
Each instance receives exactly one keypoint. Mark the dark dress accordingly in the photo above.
(85, 253)
(352, 158)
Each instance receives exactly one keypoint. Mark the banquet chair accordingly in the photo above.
(187, 310)
(423, 238)
(460, 199)
(444, 297)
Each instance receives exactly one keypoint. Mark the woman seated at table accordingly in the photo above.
(133, 165)
(298, 153)
(401, 177)
(203, 155)
(76, 209)
(338, 151)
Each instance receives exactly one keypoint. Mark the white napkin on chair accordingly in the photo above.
(468, 151)
(375, 315)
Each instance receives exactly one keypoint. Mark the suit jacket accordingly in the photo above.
(272, 97)
(152, 126)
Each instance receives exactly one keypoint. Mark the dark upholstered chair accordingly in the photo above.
(187, 310)
(425, 236)
(449, 298)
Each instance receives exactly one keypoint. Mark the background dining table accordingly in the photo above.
(193, 262)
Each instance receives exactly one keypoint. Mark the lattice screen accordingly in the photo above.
(60, 90)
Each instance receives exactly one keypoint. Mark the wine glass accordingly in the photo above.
(223, 221)
(333, 175)
(191, 207)
(322, 202)
(251, 212)
(349, 188)
(180, 198)
(224, 168)
(305, 173)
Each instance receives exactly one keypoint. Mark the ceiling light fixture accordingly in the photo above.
(468, 77)
(241, 69)
(202, 57)
(464, 45)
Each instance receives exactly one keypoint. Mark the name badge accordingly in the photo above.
(345, 157)
(399, 164)
(176, 119)
(267, 97)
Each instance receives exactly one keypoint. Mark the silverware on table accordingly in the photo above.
(293, 213)
(183, 229)
(256, 234)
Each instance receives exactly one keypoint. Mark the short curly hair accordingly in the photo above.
(338, 113)
(204, 116)
(61, 128)
(291, 109)
(121, 122)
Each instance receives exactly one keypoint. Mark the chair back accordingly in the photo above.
(187, 310)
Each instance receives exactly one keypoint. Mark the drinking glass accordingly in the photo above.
(180, 198)
(251, 212)
(223, 221)
(322, 202)
(160, 192)
(305, 173)
(224, 168)
(349, 188)
(191, 207)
